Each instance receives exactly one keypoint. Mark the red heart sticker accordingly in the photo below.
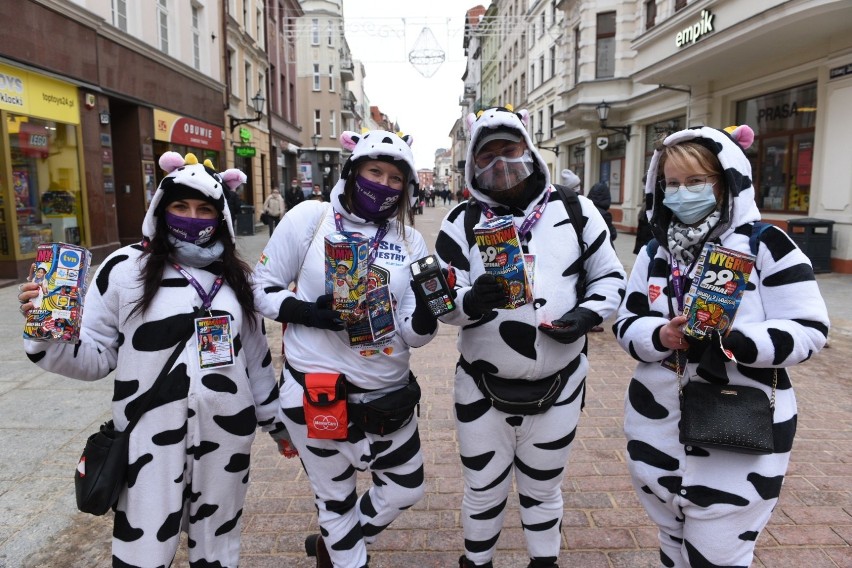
(654, 292)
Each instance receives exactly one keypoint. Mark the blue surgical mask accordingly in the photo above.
(691, 206)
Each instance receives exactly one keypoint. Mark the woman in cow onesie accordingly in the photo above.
(374, 197)
(710, 504)
(189, 453)
(541, 341)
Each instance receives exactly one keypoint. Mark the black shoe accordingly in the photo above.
(315, 547)
(465, 563)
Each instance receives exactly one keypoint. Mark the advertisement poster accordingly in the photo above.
(306, 177)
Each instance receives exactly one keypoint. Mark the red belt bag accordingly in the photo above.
(325, 406)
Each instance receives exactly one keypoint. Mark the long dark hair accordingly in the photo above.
(236, 272)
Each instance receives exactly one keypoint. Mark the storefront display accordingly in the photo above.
(782, 154)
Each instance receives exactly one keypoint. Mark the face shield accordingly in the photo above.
(502, 172)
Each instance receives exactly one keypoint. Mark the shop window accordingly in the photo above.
(46, 191)
(577, 160)
(782, 153)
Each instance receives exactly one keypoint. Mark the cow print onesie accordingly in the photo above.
(509, 344)
(710, 505)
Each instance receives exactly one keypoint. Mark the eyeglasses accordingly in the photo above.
(511, 150)
(693, 184)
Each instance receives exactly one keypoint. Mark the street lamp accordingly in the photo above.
(258, 101)
(315, 139)
(538, 136)
(603, 114)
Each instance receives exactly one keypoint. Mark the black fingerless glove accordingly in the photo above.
(311, 314)
(572, 326)
(485, 295)
(711, 366)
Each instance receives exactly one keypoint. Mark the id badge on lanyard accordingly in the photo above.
(213, 341)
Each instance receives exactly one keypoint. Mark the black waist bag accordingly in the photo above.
(388, 413)
(518, 396)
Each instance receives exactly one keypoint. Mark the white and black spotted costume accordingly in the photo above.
(710, 505)
(296, 252)
(508, 344)
(189, 454)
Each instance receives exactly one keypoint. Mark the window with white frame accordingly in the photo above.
(553, 61)
(532, 76)
(163, 24)
(331, 78)
(315, 31)
(551, 115)
(330, 33)
(332, 124)
(316, 77)
(317, 122)
(119, 14)
(196, 37)
(231, 71)
(247, 83)
(258, 26)
(605, 46)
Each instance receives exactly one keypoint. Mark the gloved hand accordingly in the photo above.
(423, 321)
(741, 346)
(571, 326)
(312, 314)
(485, 295)
(711, 366)
(281, 437)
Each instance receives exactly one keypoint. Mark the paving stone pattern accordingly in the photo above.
(44, 420)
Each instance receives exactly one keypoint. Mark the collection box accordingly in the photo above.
(721, 276)
(346, 265)
(60, 270)
(502, 256)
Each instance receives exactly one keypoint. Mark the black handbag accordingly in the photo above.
(389, 412)
(734, 418)
(101, 472)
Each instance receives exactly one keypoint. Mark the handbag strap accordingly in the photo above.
(680, 381)
(149, 396)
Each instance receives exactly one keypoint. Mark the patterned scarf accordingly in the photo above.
(685, 241)
(188, 254)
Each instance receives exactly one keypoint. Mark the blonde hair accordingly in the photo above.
(688, 155)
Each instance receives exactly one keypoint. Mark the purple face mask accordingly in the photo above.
(374, 201)
(187, 229)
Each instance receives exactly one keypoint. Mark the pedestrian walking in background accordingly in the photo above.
(316, 193)
(294, 194)
(643, 227)
(533, 355)
(600, 196)
(274, 209)
(711, 504)
(374, 196)
(189, 453)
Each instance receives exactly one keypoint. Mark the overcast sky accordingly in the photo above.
(381, 34)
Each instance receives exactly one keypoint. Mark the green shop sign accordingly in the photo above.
(245, 151)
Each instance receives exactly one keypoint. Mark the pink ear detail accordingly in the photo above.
(744, 136)
(233, 178)
(470, 119)
(408, 139)
(524, 115)
(349, 139)
(170, 161)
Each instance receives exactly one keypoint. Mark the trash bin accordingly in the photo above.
(813, 236)
(245, 220)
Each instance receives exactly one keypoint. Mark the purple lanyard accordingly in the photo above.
(530, 219)
(374, 240)
(677, 282)
(206, 299)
